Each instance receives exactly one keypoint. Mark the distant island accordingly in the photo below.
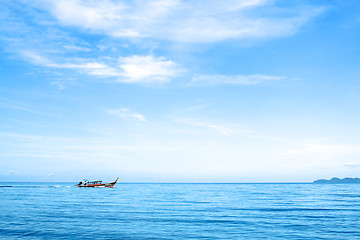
(338, 180)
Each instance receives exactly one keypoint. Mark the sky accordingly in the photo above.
(179, 90)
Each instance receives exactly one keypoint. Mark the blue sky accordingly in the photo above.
(179, 91)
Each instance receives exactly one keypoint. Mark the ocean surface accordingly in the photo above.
(180, 211)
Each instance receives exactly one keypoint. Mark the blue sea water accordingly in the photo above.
(180, 211)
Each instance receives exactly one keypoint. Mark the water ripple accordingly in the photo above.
(180, 211)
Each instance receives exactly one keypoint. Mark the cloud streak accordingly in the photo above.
(125, 113)
(225, 130)
(145, 69)
(182, 21)
(212, 80)
(132, 69)
(50, 44)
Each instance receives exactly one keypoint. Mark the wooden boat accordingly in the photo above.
(96, 184)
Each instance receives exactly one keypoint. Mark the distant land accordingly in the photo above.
(338, 180)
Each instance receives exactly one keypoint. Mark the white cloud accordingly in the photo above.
(86, 66)
(75, 48)
(197, 107)
(183, 21)
(133, 69)
(211, 80)
(222, 129)
(142, 69)
(147, 69)
(59, 85)
(96, 15)
(125, 113)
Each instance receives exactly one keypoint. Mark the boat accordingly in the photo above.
(96, 184)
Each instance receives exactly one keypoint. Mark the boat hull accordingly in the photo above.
(97, 184)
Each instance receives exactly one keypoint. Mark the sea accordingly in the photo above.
(180, 211)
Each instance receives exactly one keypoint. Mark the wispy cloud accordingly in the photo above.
(182, 21)
(90, 67)
(197, 107)
(147, 69)
(132, 69)
(75, 48)
(125, 113)
(212, 80)
(144, 69)
(59, 85)
(50, 45)
(225, 130)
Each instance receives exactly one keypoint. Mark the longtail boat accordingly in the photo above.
(96, 184)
